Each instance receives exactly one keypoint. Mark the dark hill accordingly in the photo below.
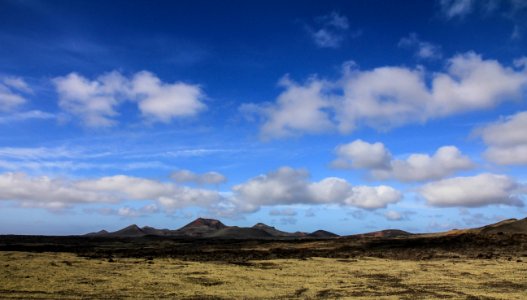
(388, 233)
(130, 231)
(235, 232)
(98, 233)
(322, 234)
(506, 226)
(211, 228)
(275, 232)
(201, 227)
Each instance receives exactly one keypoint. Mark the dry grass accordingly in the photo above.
(62, 275)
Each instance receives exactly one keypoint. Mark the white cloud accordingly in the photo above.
(417, 167)
(360, 154)
(423, 50)
(393, 215)
(456, 8)
(205, 178)
(291, 186)
(130, 212)
(46, 192)
(445, 161)
(126, 211)
(330, 30)
(59, 193)
(298, 109)
(164, 102)
(480, 190)
(373, 197)
(387, 97)
(506, 140)
(12, 90)
(25, 115)
(96, 101)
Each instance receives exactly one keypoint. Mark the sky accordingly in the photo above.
(348, 116)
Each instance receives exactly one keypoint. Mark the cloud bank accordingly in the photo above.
(387, 97)
(378, 160)
(475, 191)
(506, 140)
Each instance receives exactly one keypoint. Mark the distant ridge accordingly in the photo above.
(322, 234)
(130, 231)
(387, 233)
(211, 228)
(277, 233)
(506, 226)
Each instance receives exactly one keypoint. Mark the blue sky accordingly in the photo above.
(349, 116)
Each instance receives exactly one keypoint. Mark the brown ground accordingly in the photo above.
(454, 265)
(26, 275)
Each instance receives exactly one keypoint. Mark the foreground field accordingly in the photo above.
(63, 275)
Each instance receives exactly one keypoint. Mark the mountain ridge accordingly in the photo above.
(212, 228)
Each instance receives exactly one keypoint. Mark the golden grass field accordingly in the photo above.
(61, 275)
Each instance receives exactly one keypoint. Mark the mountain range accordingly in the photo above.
(211, 228)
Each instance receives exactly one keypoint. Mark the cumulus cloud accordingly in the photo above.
(46, 192)
(299, 109)
(164, 102)
(423, 50)
(329, 31)
(281, 187)
(506, 140)
(205, 178)
(480, 190)
(360, 154)
(61, 193)
(12, 93)
(291, 186)
(377, 159)
(96, 101)
(387, 97)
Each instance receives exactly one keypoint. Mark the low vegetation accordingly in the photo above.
(65, 275)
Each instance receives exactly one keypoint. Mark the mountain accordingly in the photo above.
(277, 233)
(388, 233)
(130, 231)
(322, 234)
(154, 231)
(98, 233)
(201, 227)
(211, 228)
(505, 226)
(236, 232)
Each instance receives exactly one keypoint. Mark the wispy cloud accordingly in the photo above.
(423, 49)
(329, 31)
(12, 93)
(25, 116)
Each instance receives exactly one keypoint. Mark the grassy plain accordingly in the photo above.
(28, 275)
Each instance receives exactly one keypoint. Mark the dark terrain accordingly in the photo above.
(211, 240)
